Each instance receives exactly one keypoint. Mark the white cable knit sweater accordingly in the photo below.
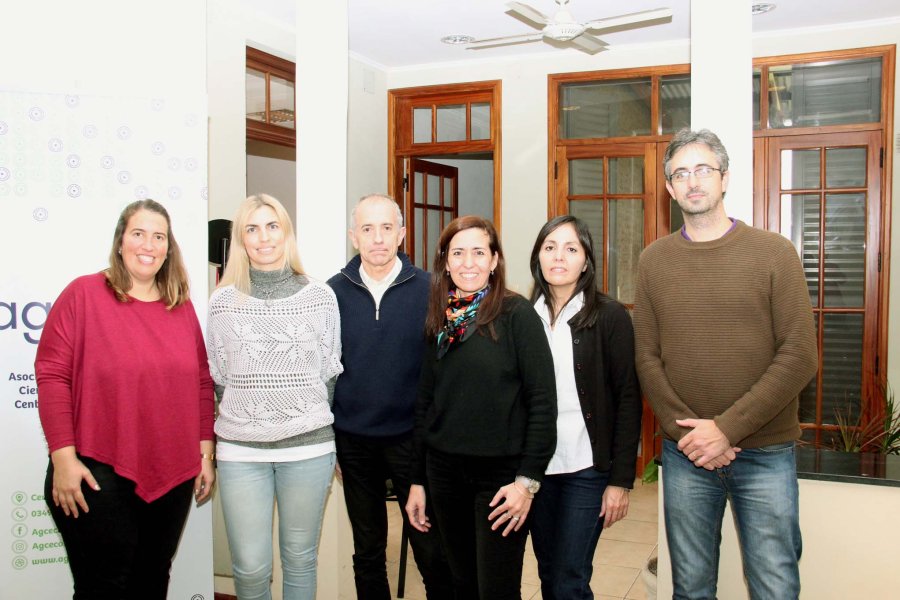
(274, 362)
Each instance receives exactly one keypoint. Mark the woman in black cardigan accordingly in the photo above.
(485, 416)
(585, 489)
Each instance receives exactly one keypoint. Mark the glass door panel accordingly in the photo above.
(800, 223)
(829, 225)
(845, 249)
(624, 245)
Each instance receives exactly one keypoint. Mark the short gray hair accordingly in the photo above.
(376, 197)
(686, 137)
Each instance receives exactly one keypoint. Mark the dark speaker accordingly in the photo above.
(219, 238)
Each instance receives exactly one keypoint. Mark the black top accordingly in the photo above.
(608, 390)
(491, 398)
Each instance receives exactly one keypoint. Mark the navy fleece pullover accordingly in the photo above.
(375, 396)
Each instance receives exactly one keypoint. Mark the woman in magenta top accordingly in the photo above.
(126, 403)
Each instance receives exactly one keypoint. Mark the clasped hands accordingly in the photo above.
(705, 445)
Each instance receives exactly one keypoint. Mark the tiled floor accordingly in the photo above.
(622, 552)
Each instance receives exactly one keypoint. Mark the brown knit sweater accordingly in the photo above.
(724, 330)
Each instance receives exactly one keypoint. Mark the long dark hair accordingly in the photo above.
(492, 304)
(171, 279)
(587, 281)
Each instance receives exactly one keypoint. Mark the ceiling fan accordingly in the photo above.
(564, 28)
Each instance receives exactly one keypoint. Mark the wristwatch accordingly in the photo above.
(529, 484)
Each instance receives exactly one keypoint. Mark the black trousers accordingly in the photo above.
(123, 547)
(366, 463)
(485, 565)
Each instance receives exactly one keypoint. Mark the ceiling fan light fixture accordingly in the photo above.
(457, 38)
(761, 8)
(563, 32)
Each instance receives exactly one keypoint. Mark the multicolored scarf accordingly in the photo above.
(460, 323)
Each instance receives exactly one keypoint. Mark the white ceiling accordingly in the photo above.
(402, 33)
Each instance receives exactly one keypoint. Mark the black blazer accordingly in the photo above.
(609, 392)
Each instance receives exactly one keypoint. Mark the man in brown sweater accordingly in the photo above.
(725, 342)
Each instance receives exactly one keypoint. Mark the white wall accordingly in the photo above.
(138, 65)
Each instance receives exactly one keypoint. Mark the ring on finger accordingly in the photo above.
(516, 518)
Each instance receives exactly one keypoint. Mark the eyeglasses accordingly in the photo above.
(701, 172)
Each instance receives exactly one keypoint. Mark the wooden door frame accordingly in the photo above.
(400, 144)
(433, 168)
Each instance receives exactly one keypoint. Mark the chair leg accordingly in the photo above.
(401, 577)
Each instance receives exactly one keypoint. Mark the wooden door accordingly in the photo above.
(432, 201)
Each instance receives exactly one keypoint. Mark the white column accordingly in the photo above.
(322, 74)
(322, 91)
(721, 90)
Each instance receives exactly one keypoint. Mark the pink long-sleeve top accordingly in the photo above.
(126, 383)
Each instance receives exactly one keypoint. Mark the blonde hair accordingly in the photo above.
(171, 279)
(237, 272)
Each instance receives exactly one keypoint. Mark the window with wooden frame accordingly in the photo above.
(820, 178)
(270, 98)
(433, 122)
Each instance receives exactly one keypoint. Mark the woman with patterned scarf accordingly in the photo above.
(486, 414)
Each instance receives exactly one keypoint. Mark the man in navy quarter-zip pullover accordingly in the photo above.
(382, 299)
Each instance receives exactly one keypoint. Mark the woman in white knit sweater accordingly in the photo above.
(274, 345)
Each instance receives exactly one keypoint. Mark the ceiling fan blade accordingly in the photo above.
(529, 13)
(538, 35)
(588, 43)
(629, 19)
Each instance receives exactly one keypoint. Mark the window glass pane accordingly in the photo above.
(814, 95)
(422, 125)
(256, 95)
(626, 240)
(676, 217)
(481, 120)
(845, 250)
(800, 169)
(281, 103)
(675, 102)
(451, 123)
(845, 167)
(418, 245)
(591, 212)
(842, 366)
(757, 75)
(433, 193)
(586, 176)
(605, 109)
(434, 231)
(800, 224)
(448, 193)
(807, 412)
(626, 175)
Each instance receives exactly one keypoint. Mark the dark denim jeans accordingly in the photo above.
(565, 528)
(761, 485)
(365, 464)
(123, 547)
(484, 564)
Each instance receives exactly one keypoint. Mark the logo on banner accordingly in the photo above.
(29, 317)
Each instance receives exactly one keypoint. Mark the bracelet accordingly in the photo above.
(210, 456)
(523, 491)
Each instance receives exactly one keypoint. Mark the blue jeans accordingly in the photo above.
(248, 491)
(565, 528)
(761, 485)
